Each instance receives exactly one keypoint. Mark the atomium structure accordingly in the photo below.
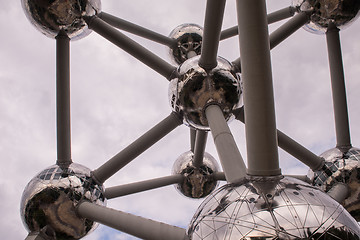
(67, 200)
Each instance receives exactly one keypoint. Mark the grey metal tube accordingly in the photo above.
(192, 139)
(220, 176)
(339, 192)
(283, 32)
(133, 48)
(292, 147)
(136, 148)
(271, 17)
(288, 28)
(134, 225)
(303, 178)
(300, 152)
(281, 14)
(136, 29)
(260, 127)
(212, 29)
(141, 186)
(63, 124)
(229, 154)
(338, 88)
(200, 144)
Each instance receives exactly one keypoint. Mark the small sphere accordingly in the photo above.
(187, 44)
(50, 198)
(271, 208)
(198, 181)
(341, 167)
(341, 13)
(195, 88)
(52, 16)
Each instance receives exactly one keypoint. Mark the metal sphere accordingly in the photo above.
(195, 88)
(343, 167)
(198, 181)
(51, 17)
(271, 208)
(323, 12)
(187, 42)
(49, 201)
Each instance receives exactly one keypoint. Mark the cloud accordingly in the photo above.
(115, 99)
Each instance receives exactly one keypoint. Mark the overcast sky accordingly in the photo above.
(115, 99)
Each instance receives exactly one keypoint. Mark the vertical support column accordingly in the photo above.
(261, 138)
(338, 88)
(63, 100)
(199, 149)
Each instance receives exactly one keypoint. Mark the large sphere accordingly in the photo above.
(323, 12)
(343, 167)
(49, 201)
(195, 88)
(198, 181)
(52, 16)
(271, 209)
(187, 42)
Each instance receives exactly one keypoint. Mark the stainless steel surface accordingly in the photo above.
(49, 17)
(50, 198)
(187, 42)
(341, 167)
(198, 182)
(271, 208)
(195, 88)
(323, 12)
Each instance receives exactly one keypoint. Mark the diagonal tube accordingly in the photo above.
(272, 18)
(130, 46)
(136, 29)
(292, 147)
(136, 148)
(131, 188)
(63, 125)
(340, 191)
(212, 29)
(229, 154)
(134, 225)
(338, 88)
(200, 144)
(260, 127)
(288, 28)
(284, 31)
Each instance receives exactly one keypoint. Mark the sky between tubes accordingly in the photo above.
(115, 99)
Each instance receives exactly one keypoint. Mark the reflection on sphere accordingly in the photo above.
(343, 167)
(198, 181)
(52, 16)
(195, 88)
(188, 39)
(323, 12)
(49, 201)
(271, 208)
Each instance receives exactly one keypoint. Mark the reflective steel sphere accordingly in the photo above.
(49, 201)
(51, 16)
(271, 208)
(187, 44)
(194, 89)
(198, 181)
(343, 167)
(323, 12)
